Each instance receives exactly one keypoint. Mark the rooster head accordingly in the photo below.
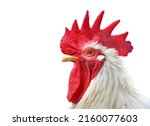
(84, 47)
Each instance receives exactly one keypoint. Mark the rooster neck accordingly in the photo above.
(110, 88)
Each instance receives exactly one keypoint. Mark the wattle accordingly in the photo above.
(79, 80)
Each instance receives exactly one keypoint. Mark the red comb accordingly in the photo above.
(76, 38)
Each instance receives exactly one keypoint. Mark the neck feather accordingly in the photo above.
(111, 87)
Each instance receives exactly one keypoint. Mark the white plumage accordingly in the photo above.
(111, 87)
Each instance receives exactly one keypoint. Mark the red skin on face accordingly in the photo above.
(84, 70)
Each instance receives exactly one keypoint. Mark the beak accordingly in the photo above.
(66, 58)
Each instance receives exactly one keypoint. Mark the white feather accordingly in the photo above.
(111, 88)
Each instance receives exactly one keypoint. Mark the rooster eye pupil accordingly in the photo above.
(90, 52)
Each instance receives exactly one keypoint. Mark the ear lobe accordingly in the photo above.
(98, 65)
(100, 57)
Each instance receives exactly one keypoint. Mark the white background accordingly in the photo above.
(32, 76)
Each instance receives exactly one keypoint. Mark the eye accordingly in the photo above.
(89, 52)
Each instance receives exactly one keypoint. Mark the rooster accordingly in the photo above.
(97, 79)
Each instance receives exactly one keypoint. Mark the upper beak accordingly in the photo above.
(66, 58)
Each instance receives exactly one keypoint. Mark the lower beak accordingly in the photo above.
(66, 58)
